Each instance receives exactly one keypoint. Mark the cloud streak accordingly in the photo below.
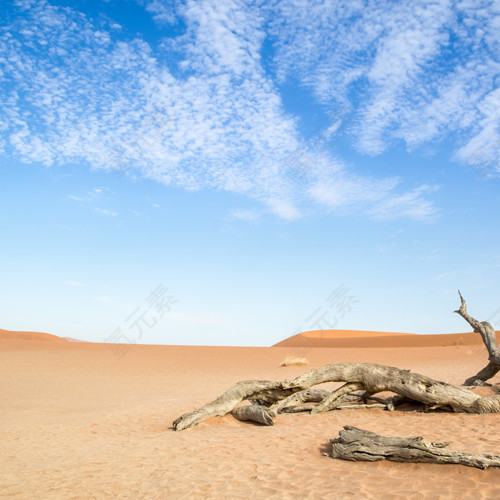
(201, 111)
(411, 71)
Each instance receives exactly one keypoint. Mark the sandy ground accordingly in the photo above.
(90, 421)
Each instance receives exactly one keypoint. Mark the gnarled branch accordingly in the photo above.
(359, 445)
(254, 413)
(372, 378)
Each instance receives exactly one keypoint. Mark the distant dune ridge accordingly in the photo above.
(12, 335)
(360, 338)
(319, 338)
(15, 335)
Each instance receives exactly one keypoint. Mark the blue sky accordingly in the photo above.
(233, 172)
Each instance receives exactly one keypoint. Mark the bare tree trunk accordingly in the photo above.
(360, 445)
(375, 378)
(260, 391)
(253, 412)
(368, 377)
(268, 397)
(489, 337)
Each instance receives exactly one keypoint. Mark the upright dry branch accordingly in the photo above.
(360, 445)
(489, 337)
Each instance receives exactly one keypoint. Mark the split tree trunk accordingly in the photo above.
(489, 337)
(360, 445)
(262, 392)
(371, 378)
(268, 397)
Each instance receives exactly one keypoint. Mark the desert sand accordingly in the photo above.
(356, 338)
(10, 335)
(83, 420)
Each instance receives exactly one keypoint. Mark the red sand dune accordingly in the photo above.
(11, 335)
(360, 339)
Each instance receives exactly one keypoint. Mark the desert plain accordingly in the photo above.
(89, 420)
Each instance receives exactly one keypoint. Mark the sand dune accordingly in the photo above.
(343, 334)
(85, 420)
(363, 339)
(12, 335)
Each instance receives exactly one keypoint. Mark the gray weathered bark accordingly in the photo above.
(254, 413)
(360, 445)
(368, 377)
(489, 337)
(269, 398)
(260, 391)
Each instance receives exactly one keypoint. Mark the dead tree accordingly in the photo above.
(488, 335)
(359, 445)
(268, 397)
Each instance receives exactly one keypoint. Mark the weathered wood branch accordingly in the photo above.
(254, 413)
(306, 396)
(297, 409)
(359, 445)
(370, 406)
(379, 378)
(335, 399)
(489, 337)
(317, 396)
(343, 403)
(372, 378)
(254, 390)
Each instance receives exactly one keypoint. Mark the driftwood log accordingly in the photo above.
(489, 337)
(268, 398)
(253, 412)
(360, 445)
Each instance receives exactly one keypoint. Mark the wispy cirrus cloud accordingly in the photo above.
(412, 204)
(414, 71)
(246, 215)
(92, 197)
(202, 112)
(162, 11)
(88, 197)
(105, 211)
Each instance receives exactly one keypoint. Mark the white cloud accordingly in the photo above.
(104, 211)
(483, 150)
(246, 215)
(411, 204)
(88, 197)
(214, 118)
(378, 198)
(413, 70)
(162, 12)
(344, 190)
